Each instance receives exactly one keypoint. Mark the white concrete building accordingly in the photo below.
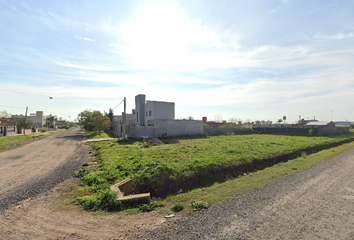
(38, 118)
(152, 110)
(155, 110)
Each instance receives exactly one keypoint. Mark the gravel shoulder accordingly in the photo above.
(39, 165)
(315, 203)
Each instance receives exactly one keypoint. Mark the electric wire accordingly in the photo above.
(118, 104)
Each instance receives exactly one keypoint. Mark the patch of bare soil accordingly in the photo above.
(156, 141)
(51, 215)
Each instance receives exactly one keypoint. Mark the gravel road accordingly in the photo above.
(316, 203)
(39, 165)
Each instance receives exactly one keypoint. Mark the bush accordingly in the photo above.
(199, 205)
(147, 207)
(312, 132)
(177, 207)
(104, 201)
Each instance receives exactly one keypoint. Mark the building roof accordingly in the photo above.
(317, 123)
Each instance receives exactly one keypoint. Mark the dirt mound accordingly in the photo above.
(156, 141)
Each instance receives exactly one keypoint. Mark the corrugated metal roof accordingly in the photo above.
(317, 123)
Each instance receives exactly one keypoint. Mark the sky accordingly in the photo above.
(229, 59)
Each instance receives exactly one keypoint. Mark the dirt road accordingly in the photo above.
(316, 203)
(39, 165)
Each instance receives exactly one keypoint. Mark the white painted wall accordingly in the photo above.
(155, 110)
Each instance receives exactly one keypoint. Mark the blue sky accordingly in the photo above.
(256, 60)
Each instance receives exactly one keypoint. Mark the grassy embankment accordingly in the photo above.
(188, 163)
(7, 143)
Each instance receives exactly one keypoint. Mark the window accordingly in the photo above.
(149, 113)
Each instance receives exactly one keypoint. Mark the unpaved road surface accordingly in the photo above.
(39, 165)
(316, 203)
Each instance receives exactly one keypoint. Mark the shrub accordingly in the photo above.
(147, 207)
(177, 207)
(104, 201)
(199, 205)
(312, 132)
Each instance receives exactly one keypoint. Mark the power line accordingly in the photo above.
(11, 107)
(118, 104)
(26, 93)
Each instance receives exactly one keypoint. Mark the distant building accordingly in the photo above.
(152, 119)
(37, 119)
(152, 110)
(118, 122)
(213, 124)
(343, 124)
(319, 125)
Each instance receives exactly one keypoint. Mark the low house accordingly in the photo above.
(319, 125)
(118, 123)
(343, 124)
(213, 124)
(325, 128)
(38, 119)
(7, 125)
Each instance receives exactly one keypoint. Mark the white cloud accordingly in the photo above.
(161, 37)
(84, 38)
(339, 36)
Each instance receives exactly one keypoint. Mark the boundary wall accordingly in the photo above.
(166, 128)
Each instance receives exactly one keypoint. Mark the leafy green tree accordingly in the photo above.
(100, 122)
(110, 114)
(24, 123)
(94, 121)
(85, 119)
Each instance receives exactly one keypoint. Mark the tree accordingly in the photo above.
(24, 123)
(5, 114)
(190, 118)
(93, 121)
(110, 114)
(284, 118)
(218, 118)
(233, 120)
(85, 119)
(50, 121)
(280, 120)
(101, 123)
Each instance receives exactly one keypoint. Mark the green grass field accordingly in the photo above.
(190, 162)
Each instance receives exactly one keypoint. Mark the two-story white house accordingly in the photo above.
(152, 110)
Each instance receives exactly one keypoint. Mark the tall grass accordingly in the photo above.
(188, 162)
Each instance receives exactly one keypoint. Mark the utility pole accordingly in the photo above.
(25, 123)
(331, 115)
(124, 118)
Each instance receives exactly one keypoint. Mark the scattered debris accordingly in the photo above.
(170, 216)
